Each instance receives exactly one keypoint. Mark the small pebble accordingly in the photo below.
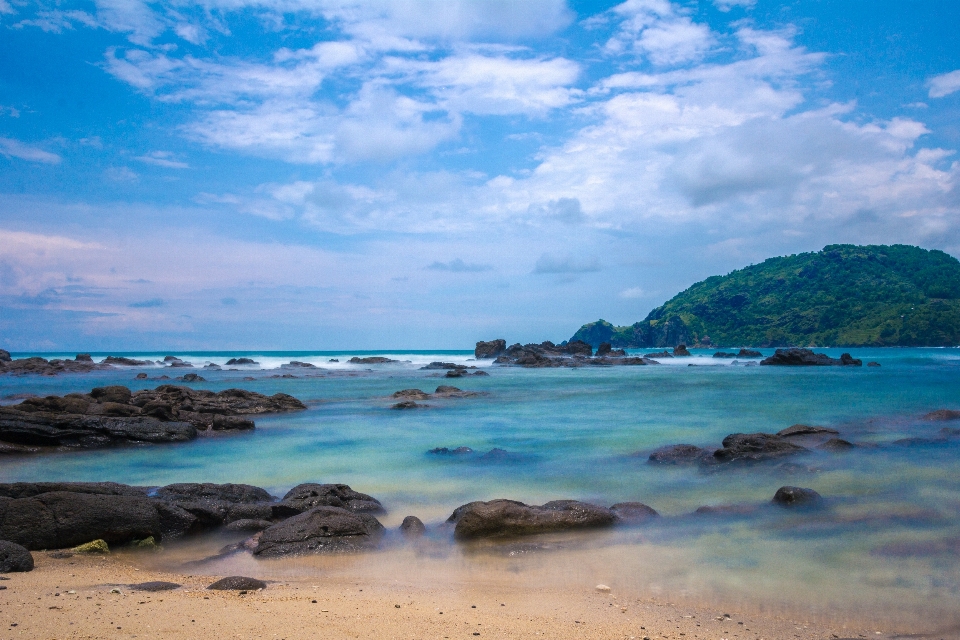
(603, 588)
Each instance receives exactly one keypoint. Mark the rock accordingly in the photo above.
(96, 546)
(873, 364)
(212, 367)
(806, 430)
(125, 362)
(446, 391)
(633, 512)
(498, 455)
(659, 354)
(320, 530)
(507, 518)
(805, 357)
(248, 525)
(304, 497)
(721, 354)
(408, 404)
(294, 364)
(141, 376)
(490, 349)
(32, 489)
(444, 451)
(725, 510)
(602, 588)
(233, 361)
(14, 557)
(604, 348)
(443, 366)
(681, 350)
(227, 492)
(480, 373)
(147, 543)
(39, 366)
(83, 357)
(371, 360)
(456, 373)
(87, 431)
(836, 444)
(5, 356)
(679, 454)
(116, 393)
(175, 521)
(749, 353)
(942, 415)
(578, 347)
(412, 527)
(154, 586)
(796, 497)
(194, 507)
(755, 447)
(192, 377)
(411, 394)
(238, 583)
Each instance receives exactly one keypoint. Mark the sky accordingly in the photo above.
(417, 174)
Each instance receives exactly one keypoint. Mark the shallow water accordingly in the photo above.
(885, 543)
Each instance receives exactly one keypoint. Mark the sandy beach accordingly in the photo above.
(88, 596)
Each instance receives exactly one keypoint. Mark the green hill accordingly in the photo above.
(845, 295)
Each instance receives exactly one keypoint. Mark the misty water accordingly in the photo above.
(886, 545)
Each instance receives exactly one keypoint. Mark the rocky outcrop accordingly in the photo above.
(408, 397)
(412, 527)
(796, 497)
(633, 512)
(806, 430)
(121, 361)
(309, 495)
(679, 454)
(509, 518)
(114, 415)
(755, 447)
(42, 367)
(320, 530)
(5, 356)
(233, 361)
(749, 353)
(14, 557)
(680, 351)
(490, 349)
(805, 357)
(371, 360)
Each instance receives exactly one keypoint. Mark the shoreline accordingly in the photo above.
(312, 603)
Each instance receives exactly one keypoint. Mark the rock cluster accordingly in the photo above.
(575, 353)
(371, 360)
(115, 415)
(39, 366)
(743, 353)
(805, 357)
(408, 397)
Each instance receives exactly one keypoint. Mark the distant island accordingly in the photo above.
(844, 296)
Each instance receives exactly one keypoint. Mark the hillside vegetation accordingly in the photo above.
(844, 295)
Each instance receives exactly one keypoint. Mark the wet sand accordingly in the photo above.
(72, 598)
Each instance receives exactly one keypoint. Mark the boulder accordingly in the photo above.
(755, 447)
(14, 557)
(370, 360)
(32, 489)
(873, 364)
(749, 353)
(805, 357)
(228, 492)
(320, 530)
(192, 377)
(659, 354)
(679, 454)
(238, 583)
(604, 348)
(836, 444)
(796, 497)
(83, 357)
(5, 356)
(233, 361)
(248, 524)
(722, 354)
(411, 394)
(444, 366)
(806, 430)
(194, 507)
(407, 404)
(39, 366)
(633, 512)
(490, 349)
(116, 393)
(94, 546)
(412, 527)
(294, 364)
(508, 518)
(681, 350)
(304, 497)
(61, 519)
(125, 362)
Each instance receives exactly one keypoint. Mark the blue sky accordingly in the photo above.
(314, 174)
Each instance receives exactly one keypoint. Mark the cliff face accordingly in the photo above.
(844, 295)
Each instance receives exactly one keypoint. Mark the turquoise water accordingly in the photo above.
(887, 539)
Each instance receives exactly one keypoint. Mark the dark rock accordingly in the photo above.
(604, 348)
(194, 507)
(238, 583)
(87, 431)
(117, 393)
(681, 350)
(578, 347)
(633, 512)
(873, 364)
(192, 377)
(411, 394)
(805, 357)
(233, 361)
(294, 364)
(412, 527)
(248, 525)
(725, 510)
(154, 586)
(320, 530)
(490, 349)
(796, 497)
(836, 444)
(755, 447)
(61, 519)
(14, 557)
(228, 492)
(480, 373)
(181, 365)
(232, 423)
(806, 430)
(456, 373)
(942, 415)
(83, 357)
(508, 518)
(175, 521)
(679, 454)
(498, 455)
(304, 497)
(749, 353)
(444, 451)
(141, 376)
(125, 362)
(444, 366)
(659, 354)
(171, 359)
(5, 356)
(370, 360)
(212, 367)
(407, 404)
(41, 367)
(721, 354)
(446, 391)
(333, 360)
(33, 489)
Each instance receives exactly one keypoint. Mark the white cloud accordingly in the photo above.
(727, 5)
(15, 149)
(162, 159)
(632, 293)
(457, 265)
(658, 30)
(944, 84)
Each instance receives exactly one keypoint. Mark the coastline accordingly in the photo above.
(350, 604)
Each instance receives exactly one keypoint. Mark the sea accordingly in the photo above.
(884, 547)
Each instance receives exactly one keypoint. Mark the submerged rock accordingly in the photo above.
(749, 353)
(806, 430)
(633, 512)
(233, 361)
(507, 518)
(408, 404)
(371, 360)
(805, 357)
(796, 497)
(836, 444)
(126, 362)
(411, 394)
(14, 557)
(154, 586)
(412, 527)
(320, 530)
(677, 454)
(755, 447)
